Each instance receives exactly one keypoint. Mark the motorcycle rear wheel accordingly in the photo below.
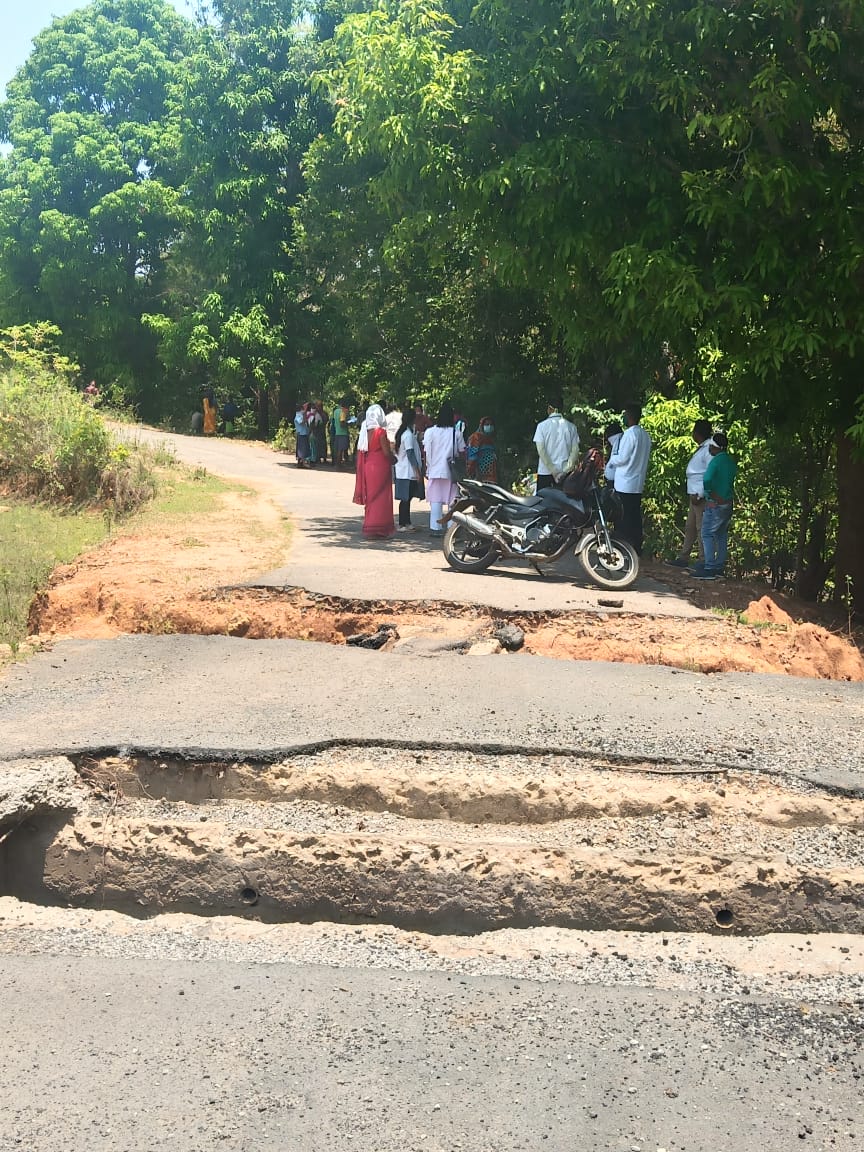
(466, 552)
(616, 569)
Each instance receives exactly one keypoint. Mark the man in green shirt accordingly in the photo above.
(719, 485)
(339, 434)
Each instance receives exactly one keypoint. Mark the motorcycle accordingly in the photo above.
(487, 523)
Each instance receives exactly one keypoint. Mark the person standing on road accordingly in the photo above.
(230, 412)
(316, 418)
(210, 412)
(301, 436)
(557, 444)
(408, 470)
(630, 468)
(393, 418)
(441, 443)
(719, 484)
(612, 436)
(373, 487)
(339, 439)
(696, 466)
(482, 461)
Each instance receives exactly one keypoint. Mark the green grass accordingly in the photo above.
(34, 538)
(185, 494)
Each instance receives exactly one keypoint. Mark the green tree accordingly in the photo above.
(88, 194)
(237, 312)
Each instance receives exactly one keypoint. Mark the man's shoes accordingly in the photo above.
(679, 562)
(704, 575)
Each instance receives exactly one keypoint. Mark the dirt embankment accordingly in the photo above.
(183, 579)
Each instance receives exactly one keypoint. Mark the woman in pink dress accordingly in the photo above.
(374, 484)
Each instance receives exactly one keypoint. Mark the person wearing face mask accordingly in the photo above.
(482, 461)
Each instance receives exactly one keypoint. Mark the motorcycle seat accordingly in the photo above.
(512, 498)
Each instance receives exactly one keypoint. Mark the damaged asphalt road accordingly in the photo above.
(221, 696)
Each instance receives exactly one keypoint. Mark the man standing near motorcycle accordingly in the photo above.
(557, 445)
(630, 464)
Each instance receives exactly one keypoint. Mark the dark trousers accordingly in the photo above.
(631, 520)
(404, 513)
(544, 482)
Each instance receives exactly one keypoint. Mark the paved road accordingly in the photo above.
(224, 695)
(329, 554)
(123, 1056)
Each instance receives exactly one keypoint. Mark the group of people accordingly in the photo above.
(313, 427)
(407, 454)
(710, 477)
(417, 459)
(206, 420)
(710, 497)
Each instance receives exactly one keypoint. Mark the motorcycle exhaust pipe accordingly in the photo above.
(479, 527)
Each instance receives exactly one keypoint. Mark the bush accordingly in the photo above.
(53, 445)
(285, 439)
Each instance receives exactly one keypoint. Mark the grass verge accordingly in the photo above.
(34, 538)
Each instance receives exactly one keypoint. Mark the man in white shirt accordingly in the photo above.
(392, 422)
(696, 466)
(557, 445)
(630, 464)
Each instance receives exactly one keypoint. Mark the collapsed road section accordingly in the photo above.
(441, 841)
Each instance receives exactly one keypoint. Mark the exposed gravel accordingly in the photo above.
(826, 968)
(818, 848)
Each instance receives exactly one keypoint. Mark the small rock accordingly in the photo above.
(372, 640)
(510, 637)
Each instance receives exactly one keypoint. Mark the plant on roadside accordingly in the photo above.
(55, 446)
(285, 440)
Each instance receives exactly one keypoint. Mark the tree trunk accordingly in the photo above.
(849, 564)
(263, 413)
(286, 403)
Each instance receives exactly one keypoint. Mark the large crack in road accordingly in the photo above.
(445, 841)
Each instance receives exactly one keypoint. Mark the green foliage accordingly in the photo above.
(35, 348)
(54, 445)
(89, 198)
(285, 439)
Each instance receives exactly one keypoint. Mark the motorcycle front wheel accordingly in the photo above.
(616, 569)
(466, 552)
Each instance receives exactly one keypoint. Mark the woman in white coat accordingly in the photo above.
(442, 443)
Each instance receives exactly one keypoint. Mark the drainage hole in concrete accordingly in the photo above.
(249, 896)
(724, 917)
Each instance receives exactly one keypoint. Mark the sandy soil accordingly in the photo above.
(183, 578)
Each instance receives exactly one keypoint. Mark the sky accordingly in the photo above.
(24, 19)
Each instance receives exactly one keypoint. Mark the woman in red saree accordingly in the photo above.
(374, 485)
